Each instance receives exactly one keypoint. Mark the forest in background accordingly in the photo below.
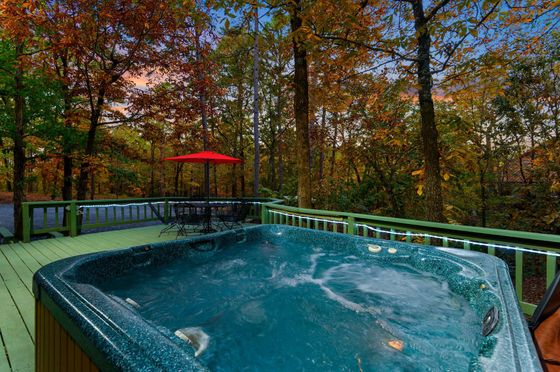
(444, 110)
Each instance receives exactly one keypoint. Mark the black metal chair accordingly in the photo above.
(235, 215)
(171, 223)
(190, 217)
(545, 326)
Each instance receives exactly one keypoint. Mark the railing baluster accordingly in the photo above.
(377, 233)
(87, 214)
(445, 242)
(392, 235)
(408, 237)
(519, 275)
(96, 215)
(427, 240)
(467, 245)
(45, 218)
(492, 251)
(56, 223)
(550, 269)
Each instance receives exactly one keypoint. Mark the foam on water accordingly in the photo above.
(285, 306)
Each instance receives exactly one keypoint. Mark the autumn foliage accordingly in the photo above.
(447, 111)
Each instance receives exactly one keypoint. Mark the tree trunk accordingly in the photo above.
(161, 171)
(483, 197)
(242, 170)
(90, 144)
(67, 147)
(85, 166)
(215, 171)
(92, 185)
(322, 144)
(429, 133)
(335, 138)
(152, 168)
(301, 108)
(256, 134)
(280, 166)
(203, 115)
(19, 146)
(234, 180)
(67, 177)
(178, 169)
(6, 165)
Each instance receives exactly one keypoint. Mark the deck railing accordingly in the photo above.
(521, 246)
(72, 217)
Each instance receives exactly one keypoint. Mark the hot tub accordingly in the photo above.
(280, 298)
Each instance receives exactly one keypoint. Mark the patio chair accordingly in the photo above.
(545, 326)
(190, 217)
(171, 223)
(235, 215)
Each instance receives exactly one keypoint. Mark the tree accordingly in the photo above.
(109, 42)
(301, 103)
(16, 33)
(427, 40)
(256, 136)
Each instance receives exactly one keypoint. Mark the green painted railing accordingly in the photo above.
(523, 245)
(71, 217)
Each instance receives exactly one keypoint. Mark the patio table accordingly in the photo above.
(197, 214)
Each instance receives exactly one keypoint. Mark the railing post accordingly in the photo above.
(166, 210)
(351, 225)
(26, 223)
(73, 220)
(264, 214)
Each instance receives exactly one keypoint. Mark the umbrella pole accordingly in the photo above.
(207, 179)
(208, 211)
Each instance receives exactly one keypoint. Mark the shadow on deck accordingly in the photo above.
(18, 263)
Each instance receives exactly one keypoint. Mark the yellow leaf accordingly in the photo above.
(446, 176)
(420, 190)
(418, 172)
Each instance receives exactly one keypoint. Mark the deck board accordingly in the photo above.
(18, 262)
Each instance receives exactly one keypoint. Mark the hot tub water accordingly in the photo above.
(283, 305)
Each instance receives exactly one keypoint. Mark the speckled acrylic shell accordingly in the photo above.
(116, 337)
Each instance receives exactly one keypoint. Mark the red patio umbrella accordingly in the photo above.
(206, 157)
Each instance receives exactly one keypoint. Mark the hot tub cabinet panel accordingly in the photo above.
(55, 349)
(81, 328)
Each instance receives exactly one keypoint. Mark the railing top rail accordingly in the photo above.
(139, 200)
(522, 238)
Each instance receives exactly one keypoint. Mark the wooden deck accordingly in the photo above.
(18, 262)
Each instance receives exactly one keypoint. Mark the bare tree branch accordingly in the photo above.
(391, 52)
